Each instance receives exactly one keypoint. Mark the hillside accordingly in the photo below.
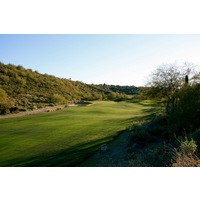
(25, 88)
(128, 90)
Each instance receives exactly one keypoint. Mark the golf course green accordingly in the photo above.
(66, 137)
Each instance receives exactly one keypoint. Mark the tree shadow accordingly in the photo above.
(70, 157)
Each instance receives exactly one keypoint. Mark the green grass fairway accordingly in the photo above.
(66, 137)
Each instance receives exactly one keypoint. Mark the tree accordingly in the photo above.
(5, 103)
(57, 99)
(3, 95)
(185, 118)
(168, 79)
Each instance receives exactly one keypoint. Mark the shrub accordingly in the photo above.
(183, 160)
(185, 117)
(196, 136)
(22, 109)
(6, 104)
(5, 111)
(155, 154)
(14, 109)
(140, 136)
(185, 156)
(188, 147)
(39, 105)
(57, 99)
(51, 104)
(3, 95)
(159, 127)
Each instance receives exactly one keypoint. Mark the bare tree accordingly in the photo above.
(168, 79)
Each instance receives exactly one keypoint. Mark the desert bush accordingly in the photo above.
(40, 105)
(14, 109)
(6, 104)
(183, 160)
(155, 154)
(51, 104)
(22, 109)
(185, 155)
(139, 136)
(159, 127)
(32, 107)
(196, 136)
(57, 99)
(185, 118)
(188, 147)
(3, 95)
(5, 111)
(167, 80)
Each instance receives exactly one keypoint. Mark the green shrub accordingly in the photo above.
(5, 111)
(196, 137)
(57, 99)
(3, 95)
(188, 147)
(185, 155)
(22, 109)
(185, 118)
(6, 104)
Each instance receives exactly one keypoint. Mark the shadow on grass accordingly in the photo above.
(134, 100)
(151, 110)
(70, 157)
(151, 103)
(138, 119)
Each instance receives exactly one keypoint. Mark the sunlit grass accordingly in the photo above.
(66, 137)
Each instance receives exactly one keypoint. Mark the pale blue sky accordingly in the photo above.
(111, 59)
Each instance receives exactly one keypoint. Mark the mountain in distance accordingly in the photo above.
(128, 90)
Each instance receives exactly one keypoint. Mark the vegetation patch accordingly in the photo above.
(28, 89)
(163, 141)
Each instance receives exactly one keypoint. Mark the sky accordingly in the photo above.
(119, 59)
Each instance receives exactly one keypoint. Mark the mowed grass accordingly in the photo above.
(66, 137)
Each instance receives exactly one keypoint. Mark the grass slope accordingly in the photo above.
(66, 137)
